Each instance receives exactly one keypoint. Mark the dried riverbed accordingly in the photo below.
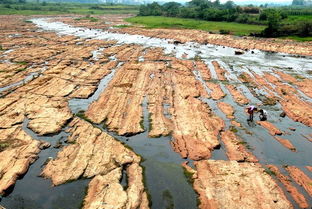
(94, 116)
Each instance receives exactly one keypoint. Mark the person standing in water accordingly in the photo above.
(250, 110)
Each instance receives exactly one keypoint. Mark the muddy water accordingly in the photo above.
(34, 192)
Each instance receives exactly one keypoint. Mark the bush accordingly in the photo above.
(224, 31)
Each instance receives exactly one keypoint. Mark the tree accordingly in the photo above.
(229, 5)
(298, 2)
(273, 29)
(172, 9)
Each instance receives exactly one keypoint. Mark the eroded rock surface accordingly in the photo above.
(273, 130)
(235, 149)
(301, 178)
(18, 151)
(286, 143)
(227, 109)
(229, 184)
(286, 181)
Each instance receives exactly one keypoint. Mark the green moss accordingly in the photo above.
(1, 49)
(269, 101)
(233, 129)
(22, 63)
(3, 146)
(167, 197)
(149, 197)
(91, 19)
(21, 69)
(122, 26)
(270, 172)
(81, 115)
(188, 175)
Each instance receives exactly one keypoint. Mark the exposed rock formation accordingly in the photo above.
(219, 70)
(237, 95)
(229, 184)
(17, 151)
(286, 181)
(216, 91)
(227, 109)
(301, 178)
(91, 153)
(270, 127)
(235, 149)
(286, 143)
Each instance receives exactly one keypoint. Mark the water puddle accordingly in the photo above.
(36, 192)
(163, 170)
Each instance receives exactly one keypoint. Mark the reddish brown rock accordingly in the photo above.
(235, 149)
(309, 168)
(227, 109)
(270, 127)
(216, 91)
(301, 178)
(235, 123)
(204, 70)
(286, 181)
(219, 70)
(297, 109)
(286, 143)
(237, 95)
(229, 184)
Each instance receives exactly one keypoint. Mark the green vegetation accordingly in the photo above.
(233, 129)
(167, 197)
(215, 27)
(188, 175)
(3, 146)
(282, 21)
(270, 172)
(44, 8)
(81, 115)
(91, 19)
(1, 49)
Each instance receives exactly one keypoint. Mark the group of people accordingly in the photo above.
(252, 109)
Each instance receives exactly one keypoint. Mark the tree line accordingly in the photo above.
(216, 11)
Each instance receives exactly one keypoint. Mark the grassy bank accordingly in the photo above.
(65, 8)
(171, 22)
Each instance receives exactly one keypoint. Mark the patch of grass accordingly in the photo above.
(91, 19)
(21, 69)
(31, 8)
(122, 26)
(166, 195)
(297, 38)
(270, 172)
(27, 21)
(233, 129)
(81, 115)
(184, 23)
(22, 63)
(269, 101)
(1, 49)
